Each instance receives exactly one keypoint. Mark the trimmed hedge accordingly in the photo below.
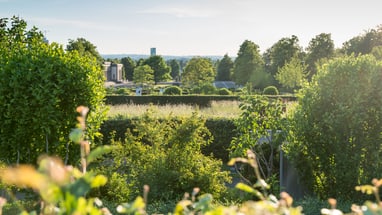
(200, 100)
(223, 130)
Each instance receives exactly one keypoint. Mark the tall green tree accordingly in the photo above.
(364, 43)
(248, 63)
(143, 75)
(128, 66)
(198, 72)
(292, 75)
(175, 68)
(224, 69)
(40, 87)
(337, 127)
(320, 47)
(280, 53)
(161, 70)
(84, 47)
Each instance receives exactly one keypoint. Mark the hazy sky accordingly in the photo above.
(194, 27)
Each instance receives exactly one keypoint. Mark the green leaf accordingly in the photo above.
(98, 181)
(99, 151)
(76, 135)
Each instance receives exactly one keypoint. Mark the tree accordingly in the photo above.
(292, 74)
(84, 47)
(175, 68)
(337, 127)
(198, 72)
(129, 66)
(247, 63)
(143, 75)
(260, 129)
(40, 87)
(224, 69)
(161, 70)
(280, 53)
(320, 47)
(364, 43)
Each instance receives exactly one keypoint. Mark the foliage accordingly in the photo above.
(270, 90)
(364, 43)
(260, 129)
(172, 90)
(224, 69)
(248, 63)
(207, 89)
(160, 68)
(62, 189)
(166, 155)
(84, 48)
(143, 74)
(224, 92)
(292, 74)
(128, 66)
(40, 87)
(320, 47)
(198, 71)
(337, 127)
(280, 53)
(175, 68)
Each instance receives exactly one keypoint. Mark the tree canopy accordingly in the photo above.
(247, 63)
(320, 47)
(128, 66)
(161, 69)
(224, 69)
(143, 74)
(84, 47)
(175, 68)
(292, 74)
(198, 71)
(40, 87)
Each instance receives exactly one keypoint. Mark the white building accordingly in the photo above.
(113, 71)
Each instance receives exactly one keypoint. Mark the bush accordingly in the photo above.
(173, 90)
(270, 90)
(208, 89)
(40, 87)
(224, 91)
(157, 153)
(337, 127)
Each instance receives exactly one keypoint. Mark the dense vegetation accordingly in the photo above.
(333, 136)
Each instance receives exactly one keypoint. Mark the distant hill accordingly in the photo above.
(166, 57)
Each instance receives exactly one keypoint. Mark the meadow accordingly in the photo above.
(218, 109)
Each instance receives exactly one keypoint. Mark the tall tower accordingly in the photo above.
(153, 51)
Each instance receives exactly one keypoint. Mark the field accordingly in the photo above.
(220, 109)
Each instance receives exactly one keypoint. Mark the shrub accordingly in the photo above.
(172, 90)
(337, 127)
(166, 155)
(224, 91)
(208, 89)
(270, 90)
(40, 87)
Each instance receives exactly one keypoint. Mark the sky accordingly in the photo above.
(193, 27)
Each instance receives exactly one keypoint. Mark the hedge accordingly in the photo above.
(223, 130)
(200, 100)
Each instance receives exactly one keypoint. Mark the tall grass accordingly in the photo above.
(218, 109)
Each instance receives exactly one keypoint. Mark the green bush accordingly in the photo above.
(40, 87)
(222, 130)
(166, 155)
(208, 89)
(172, 90)
(337, 127)
(270, 90)
(224, 91)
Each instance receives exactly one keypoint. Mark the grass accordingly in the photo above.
(218, 109)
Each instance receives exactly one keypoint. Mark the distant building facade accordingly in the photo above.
(113, 71)
(153, 51)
